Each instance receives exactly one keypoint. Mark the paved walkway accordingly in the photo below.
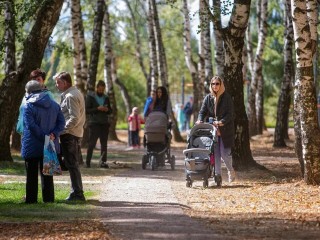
(140, 204)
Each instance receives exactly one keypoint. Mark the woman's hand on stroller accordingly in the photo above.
(198, 122)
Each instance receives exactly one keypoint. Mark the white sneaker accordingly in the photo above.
(231, 176)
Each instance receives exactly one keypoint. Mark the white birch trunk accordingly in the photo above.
(304, 15)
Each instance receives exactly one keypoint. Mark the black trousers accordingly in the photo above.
(32, 168)
(96, 131)
(71, 154)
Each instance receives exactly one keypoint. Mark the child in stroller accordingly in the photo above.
(157, 139)
(199, 156)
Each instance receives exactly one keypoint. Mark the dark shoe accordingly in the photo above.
(218, 180)
(74, 197)
(104, 165)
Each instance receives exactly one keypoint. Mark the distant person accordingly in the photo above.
(149, 104)
(73, 108)
(40, 76)
(219, 105)
(187, 110)
(42, 116)
(135, 121)
(162, 101)
(98, 109)
(181, 119)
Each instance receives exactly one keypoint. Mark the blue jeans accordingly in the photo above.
(224, 154)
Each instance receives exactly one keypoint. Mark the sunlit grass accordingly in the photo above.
(13, 208)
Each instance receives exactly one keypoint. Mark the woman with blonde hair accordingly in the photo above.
(218, 104)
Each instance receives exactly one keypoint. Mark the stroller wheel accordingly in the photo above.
(206, 183)
(144, 161)
(218, 180)
(173, 162)
(153, 162)
(189, 183)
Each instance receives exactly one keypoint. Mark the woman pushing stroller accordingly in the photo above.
(219, 105)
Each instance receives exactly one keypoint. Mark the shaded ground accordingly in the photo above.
(145, 204)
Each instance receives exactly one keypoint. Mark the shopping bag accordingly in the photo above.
(51, 164)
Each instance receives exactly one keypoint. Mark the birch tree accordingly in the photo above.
(218, 39)
(95, 46)
(78, 45)
(255, 98)
(191, 64)
(233, 35)
(281, 129)
(12, 87)
(109, 73)
(304, 17)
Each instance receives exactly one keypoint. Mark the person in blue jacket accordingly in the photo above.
(41, 116)
(40, 76)
(149, 104)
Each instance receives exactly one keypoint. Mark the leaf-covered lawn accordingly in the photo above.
(273, 204)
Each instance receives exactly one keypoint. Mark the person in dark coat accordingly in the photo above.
(41, 116)
(98, 109)
(219, 105)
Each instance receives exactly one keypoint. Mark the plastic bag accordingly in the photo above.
(51, 164)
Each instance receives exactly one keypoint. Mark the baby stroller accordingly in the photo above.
(157, 139)
(199, 160)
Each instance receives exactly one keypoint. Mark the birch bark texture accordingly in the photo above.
(233, 36)
(304, 17)
(281, 129)
(109, 73)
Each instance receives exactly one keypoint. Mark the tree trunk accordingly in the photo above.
(304, 16)
(263, 27)
(110, 75)
(12, 87)
(138, 45)
(10, 57)
(154, 75)
(218, 39)
(76, 18)
(95, 47)
(281, 129)
(192, 66)
(234, 42)
(162, 65)
(207, 54)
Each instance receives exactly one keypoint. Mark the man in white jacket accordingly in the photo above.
(73, 109)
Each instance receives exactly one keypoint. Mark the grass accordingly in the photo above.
(13, 208)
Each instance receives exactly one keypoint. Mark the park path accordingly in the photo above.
(140, 204)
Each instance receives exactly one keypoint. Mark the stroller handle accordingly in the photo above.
(196, 150)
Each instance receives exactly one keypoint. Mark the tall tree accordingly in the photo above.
(12, 87)
(218, 38)
(78, 44)
(281, 129)
(162, 64)
(95, 46)
(255, 98)
(305, 19)
(191, 64)
(206, 47)
(110, 73)
(153, 66)
(233, 35)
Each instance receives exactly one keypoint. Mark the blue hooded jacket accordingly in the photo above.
(41, 116)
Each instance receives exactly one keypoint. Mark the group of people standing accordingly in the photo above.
(64, 123)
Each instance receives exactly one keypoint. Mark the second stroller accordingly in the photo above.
(157, 139)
